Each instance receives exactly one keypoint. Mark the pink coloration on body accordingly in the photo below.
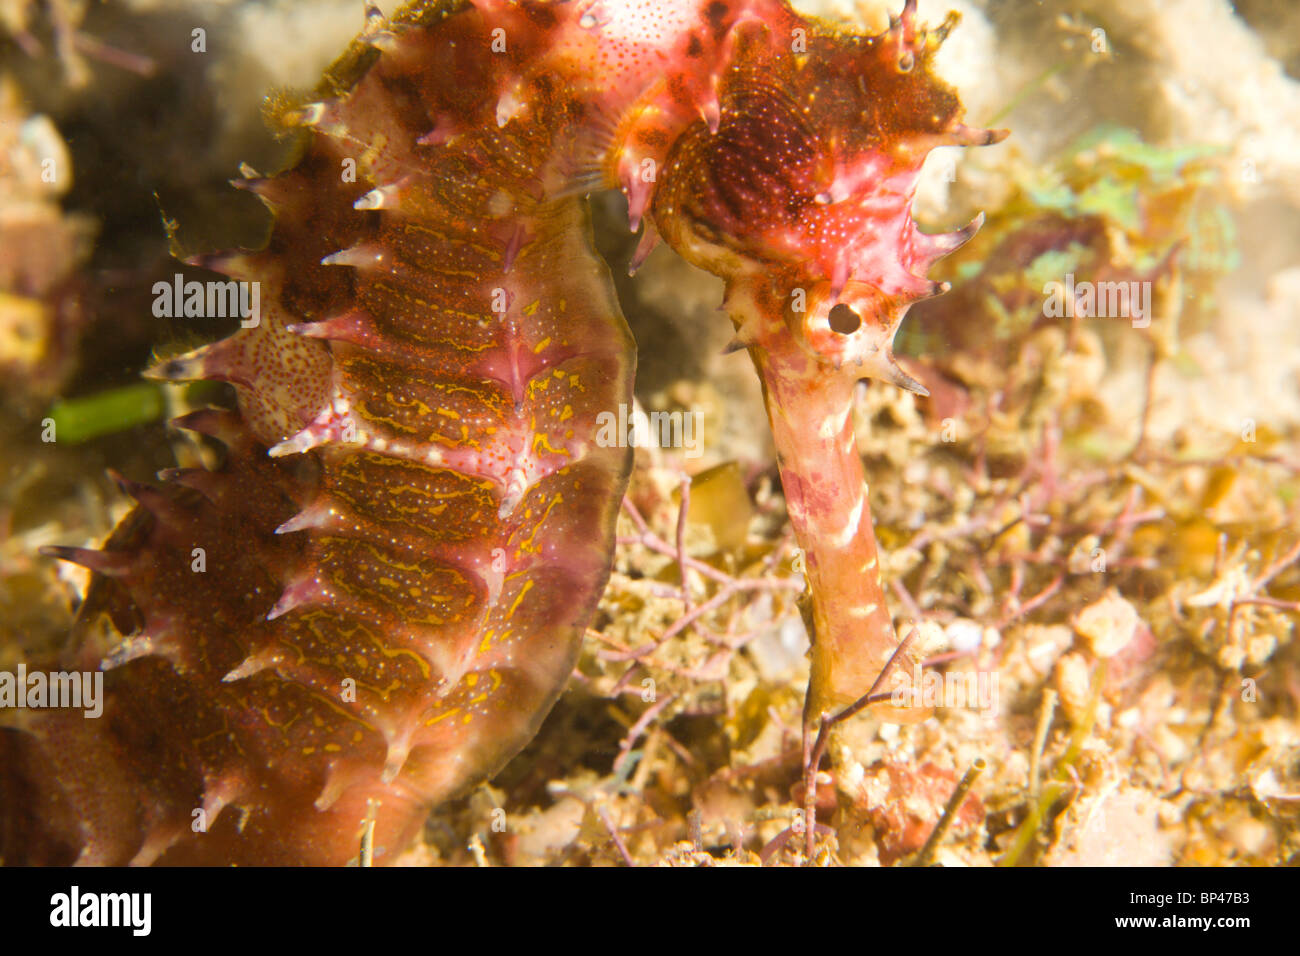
(801, 201)
(414, 519)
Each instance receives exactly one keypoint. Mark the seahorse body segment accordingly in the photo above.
(375, 600)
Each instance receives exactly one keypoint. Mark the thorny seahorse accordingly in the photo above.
(414, 519)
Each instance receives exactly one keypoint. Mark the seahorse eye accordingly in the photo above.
(844, 320)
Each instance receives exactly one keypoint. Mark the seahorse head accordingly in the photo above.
(802, 196)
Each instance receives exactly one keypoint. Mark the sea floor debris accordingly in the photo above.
(1090, 526)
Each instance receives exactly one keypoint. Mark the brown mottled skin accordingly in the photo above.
(414, 521)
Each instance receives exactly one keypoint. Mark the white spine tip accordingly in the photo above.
(296, 445)
(282, 607)
(358, 257)
(250, 666)
(375, 199)
(509, 106)
(299, 522)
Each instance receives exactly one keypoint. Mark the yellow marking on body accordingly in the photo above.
(383, 558)
(527, 542)
(519, 599)
(566, 414)
(468, 275)
(445, 714)
(537, 349)
(471, 679)
(451, 239)
(374, 418)
(496, 678)
(223, 731)
(540, 438)
(387, 652)
(436, 495)
(421, 408)
(448, 413)
(266, 715)
(457, 345)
